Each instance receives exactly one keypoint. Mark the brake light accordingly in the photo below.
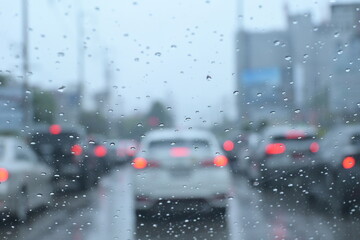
(139, 163)
(180, 152)
(220, 161)
(76, 150)
(348, 162)
(55, 129)
(295, 134)
(275, 148)
(4, 175)
(228, 145)
(314, 147)
(100, 151)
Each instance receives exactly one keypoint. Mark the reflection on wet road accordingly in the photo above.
(106, 212)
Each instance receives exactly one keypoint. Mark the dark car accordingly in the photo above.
(285, 157)
(340, 156)
(97, 152)
(236, 150)
(62, 147)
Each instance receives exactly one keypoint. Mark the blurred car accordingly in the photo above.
(62, 148)
(340, 156)
(181, 171)
(285, 156)
(97, 153)
(25, 182)
(121, 151)
(240, 150)
(234, 148)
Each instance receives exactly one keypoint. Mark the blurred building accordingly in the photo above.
(344, 97)
(12, 108)
(303, 73)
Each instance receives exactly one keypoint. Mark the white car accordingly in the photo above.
(25, 182)
(181, 171)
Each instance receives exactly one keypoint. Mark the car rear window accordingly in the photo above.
(298, 143)
(179, 146)
(59, 141)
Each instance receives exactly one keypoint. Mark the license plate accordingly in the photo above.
(180, 173)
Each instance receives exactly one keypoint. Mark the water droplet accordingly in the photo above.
(347, 70)
(158, 54)
(287, 58)
(340, 52)
(139, 125)
(208, 77)
(276, 42)
(297, 111)
(259, 94)
(112, 144)
(39, 195)
(236, 92)
(43, 173)
(61, 89)
(336, 34)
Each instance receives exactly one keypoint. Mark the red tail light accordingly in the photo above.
(139, 163)
(100, 151)
(348, 162)
(314, 147)
(275, 148)
(76, 150)
(220, 161)
(55, 129)
(4, 175)
(228, 145)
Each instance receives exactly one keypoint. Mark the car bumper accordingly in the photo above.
(181, 205)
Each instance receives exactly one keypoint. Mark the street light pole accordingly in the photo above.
(25, 63)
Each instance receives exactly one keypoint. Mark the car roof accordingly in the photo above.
(163, 134)
(285, 129)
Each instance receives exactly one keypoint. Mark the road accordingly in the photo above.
(106, 212)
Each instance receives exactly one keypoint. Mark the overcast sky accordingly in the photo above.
(157, 49)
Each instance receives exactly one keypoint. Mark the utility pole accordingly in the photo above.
(25, 63)
(81, 60)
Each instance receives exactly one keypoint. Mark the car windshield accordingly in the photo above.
(180, 119)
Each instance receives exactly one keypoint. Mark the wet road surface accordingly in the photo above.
(106, 212)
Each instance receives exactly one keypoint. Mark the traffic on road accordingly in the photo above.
(203, 119)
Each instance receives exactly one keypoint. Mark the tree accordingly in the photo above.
(159, 115)
(4, 80)
(44, 106)
(94, 122)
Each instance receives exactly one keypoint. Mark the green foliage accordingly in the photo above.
(159, 115)
(4, 80)
(94, 122)
(44, 106)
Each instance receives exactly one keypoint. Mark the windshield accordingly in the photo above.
(180, 119)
